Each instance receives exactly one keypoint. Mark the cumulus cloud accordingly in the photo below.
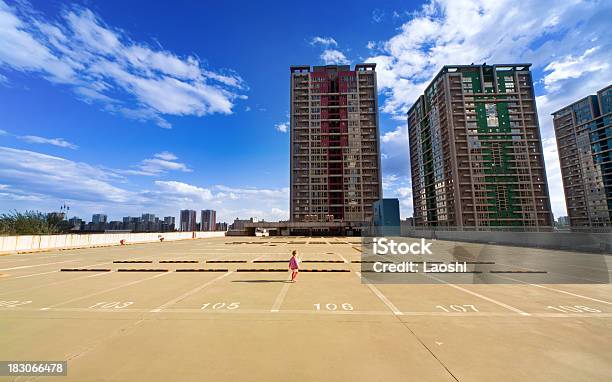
(102, 65)
(395, 152)
(32, 180)
(60, 178)
(185, 190)
(562, 39)
(282, 127)
(334, 57)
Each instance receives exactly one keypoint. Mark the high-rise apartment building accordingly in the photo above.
(99, 218)
(584, 142)
(335, 148)
(475, 150)
(148, 218)
(188, 220)
(208, 220)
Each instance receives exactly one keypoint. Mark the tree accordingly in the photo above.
(32, 223)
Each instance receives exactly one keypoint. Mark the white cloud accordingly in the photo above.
(31, 180)
(279, 193)
(185, 190)
(333, 57)
(159, 164)
(460, 32)
(563, 39)
(60, 178)
(59, 142)
(395, 152)
(570, 67)
(229, 202)
(103, 65)
(282, 127)
(165, 155)
(324, 41)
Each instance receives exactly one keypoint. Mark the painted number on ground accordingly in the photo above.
(111, 305)
(221, 305)
(13, 304)
(458, 308)
(332, 307)
(574, 309)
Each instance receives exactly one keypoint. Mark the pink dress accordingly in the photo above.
(293, 264)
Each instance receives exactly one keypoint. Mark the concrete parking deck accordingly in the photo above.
(220, 309)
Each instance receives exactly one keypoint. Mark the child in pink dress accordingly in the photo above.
(293, 266)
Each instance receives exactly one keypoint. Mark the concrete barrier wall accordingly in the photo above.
(28, 243)
(574, 241)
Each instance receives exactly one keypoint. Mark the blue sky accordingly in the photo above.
(132, 107)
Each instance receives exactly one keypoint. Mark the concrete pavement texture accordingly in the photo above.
(212, 310)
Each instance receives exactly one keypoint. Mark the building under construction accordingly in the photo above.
(476, 152)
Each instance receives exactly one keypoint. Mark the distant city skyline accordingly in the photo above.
(126, 108)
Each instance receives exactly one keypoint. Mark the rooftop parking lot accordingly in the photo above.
(222, 309)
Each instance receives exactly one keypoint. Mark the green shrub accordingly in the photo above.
(31, 223)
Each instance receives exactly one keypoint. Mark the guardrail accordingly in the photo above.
(34, 243)
(573, 241)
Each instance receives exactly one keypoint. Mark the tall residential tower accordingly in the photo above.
(475, 150)
(208, 220)
(584, 142)
(335, 148)
(188, 220)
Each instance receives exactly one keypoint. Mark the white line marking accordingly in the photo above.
(35, 274)
(356, 313)
(37, 265)
(342, 257)
(279, 299)
(99, 274)
(483, 297)
(104, 291)
(84, 266)
(558, 290)
(187, 294)
(53, 283)
(382, 297)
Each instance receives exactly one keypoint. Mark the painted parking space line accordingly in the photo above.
(189, 293)
(280, 298)
(35, 257)
(32, 275)
(38, 265)
(382, 297)
(105, 291)
(558, 290)
(55, 283)
(99, 274)
(342, 257)
(85, 266)
(516, 310)
(264, 312)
